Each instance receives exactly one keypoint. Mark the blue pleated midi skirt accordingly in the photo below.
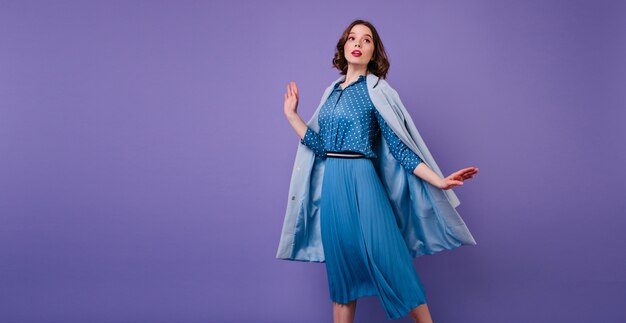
(363, 247)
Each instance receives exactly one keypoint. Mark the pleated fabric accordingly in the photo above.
(363, 247)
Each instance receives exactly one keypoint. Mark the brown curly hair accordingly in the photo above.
(379, 65)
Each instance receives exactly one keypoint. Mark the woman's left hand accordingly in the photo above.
(457, 178)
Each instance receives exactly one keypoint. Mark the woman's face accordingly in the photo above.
(359, 46)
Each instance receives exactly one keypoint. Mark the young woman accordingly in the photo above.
(364, 249)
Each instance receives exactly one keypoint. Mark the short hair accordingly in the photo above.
(379, 65)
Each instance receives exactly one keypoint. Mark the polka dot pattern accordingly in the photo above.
(349, 122)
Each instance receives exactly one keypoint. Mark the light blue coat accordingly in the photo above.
(425, 214)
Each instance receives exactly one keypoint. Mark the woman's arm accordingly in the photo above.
(407, 158)
(297, 124)
(424, 172)
(307, 136)
(416, 165)
(311, 139)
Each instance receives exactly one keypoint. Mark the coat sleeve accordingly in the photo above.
(314, 141)
(399, 150)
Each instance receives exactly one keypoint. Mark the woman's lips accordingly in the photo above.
(356, 53)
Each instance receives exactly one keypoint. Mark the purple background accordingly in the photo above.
(145, 159)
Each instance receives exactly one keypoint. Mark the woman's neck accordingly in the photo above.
(353, 74)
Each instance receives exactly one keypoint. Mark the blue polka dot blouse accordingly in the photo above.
(349, 121)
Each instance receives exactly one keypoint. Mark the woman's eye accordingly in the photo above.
(352, 38)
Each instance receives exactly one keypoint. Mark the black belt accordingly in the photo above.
(344, 154)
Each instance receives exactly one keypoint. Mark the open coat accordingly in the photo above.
(425, 214)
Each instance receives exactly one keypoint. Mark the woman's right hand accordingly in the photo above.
(291, 100)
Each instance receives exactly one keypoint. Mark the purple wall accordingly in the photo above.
(145, 159)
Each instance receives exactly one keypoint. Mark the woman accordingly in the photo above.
(364, 249)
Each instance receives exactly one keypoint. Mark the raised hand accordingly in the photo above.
(457, 178)
(291, 100)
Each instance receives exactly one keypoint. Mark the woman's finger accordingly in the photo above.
(471, 170)
(468, 175)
